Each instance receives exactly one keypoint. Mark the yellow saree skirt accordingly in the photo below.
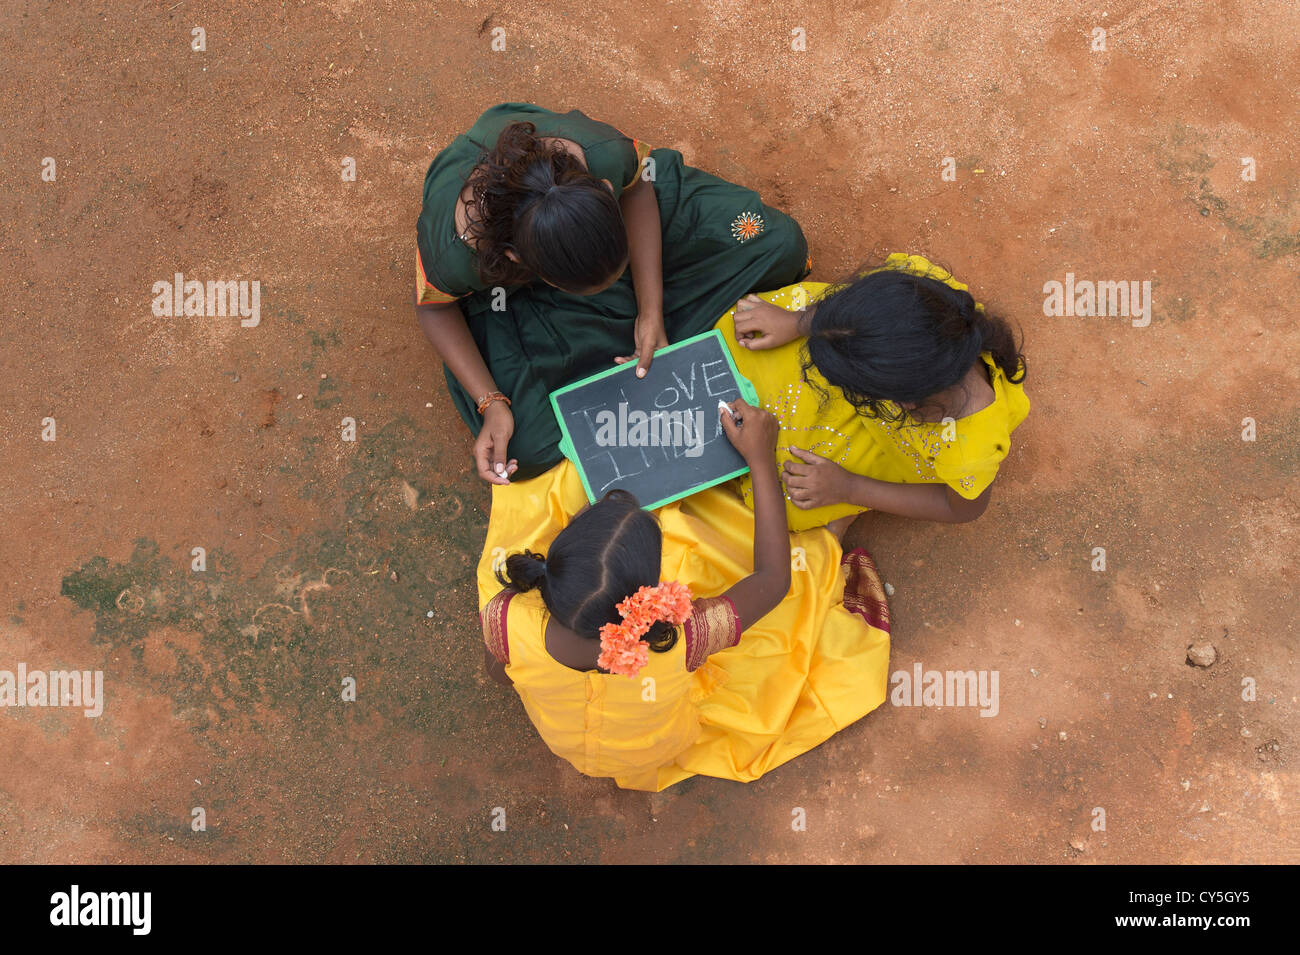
(812, 666)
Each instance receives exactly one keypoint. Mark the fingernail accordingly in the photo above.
(500, 469)
(640, 372)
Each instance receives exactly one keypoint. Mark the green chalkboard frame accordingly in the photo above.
(743, 384)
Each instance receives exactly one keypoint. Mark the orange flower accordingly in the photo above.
(621, 648)
(622, 651)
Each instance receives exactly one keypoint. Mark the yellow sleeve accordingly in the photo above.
(968, 470)
(642, 150)
(426, 293)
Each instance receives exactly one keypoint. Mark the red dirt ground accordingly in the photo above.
(326, 558)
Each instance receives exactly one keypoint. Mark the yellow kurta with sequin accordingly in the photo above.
(813, 665)
(964, 455)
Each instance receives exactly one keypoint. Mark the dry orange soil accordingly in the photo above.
(327, 558)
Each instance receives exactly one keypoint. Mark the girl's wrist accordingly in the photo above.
(648, 309)
(492, 399)
(764, 469)
(803, 324)
(859, 490)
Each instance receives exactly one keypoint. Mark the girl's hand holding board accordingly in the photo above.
(650, 336)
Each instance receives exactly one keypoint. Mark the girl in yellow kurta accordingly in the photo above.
(770, 663)
(896, 392)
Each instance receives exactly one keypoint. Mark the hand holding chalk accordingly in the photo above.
(753, 432)
(492, 443)
(598, 420)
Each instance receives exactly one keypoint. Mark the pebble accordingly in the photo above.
(1078, 845)
(1202, 654)
(1061, 735)
(429, 614)
(1042, 722)
(889, 588)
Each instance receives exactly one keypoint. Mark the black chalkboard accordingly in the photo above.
(657, 437)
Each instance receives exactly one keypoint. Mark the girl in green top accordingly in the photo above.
(550, 245)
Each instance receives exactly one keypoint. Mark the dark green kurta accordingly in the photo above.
(719, 242)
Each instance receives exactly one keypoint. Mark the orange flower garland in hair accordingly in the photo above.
(621, 648)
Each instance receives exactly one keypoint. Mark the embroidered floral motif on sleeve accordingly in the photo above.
(746, 226)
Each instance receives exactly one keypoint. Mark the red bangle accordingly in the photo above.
(490, 397)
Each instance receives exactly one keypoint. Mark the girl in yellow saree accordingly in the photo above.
(785, 640)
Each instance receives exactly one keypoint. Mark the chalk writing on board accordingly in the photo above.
(656, 429)
(618, 439)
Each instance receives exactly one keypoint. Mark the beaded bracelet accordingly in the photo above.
(490, 397)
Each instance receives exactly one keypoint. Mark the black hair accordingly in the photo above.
(608, 552)
(891, 336)
(538, 200)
